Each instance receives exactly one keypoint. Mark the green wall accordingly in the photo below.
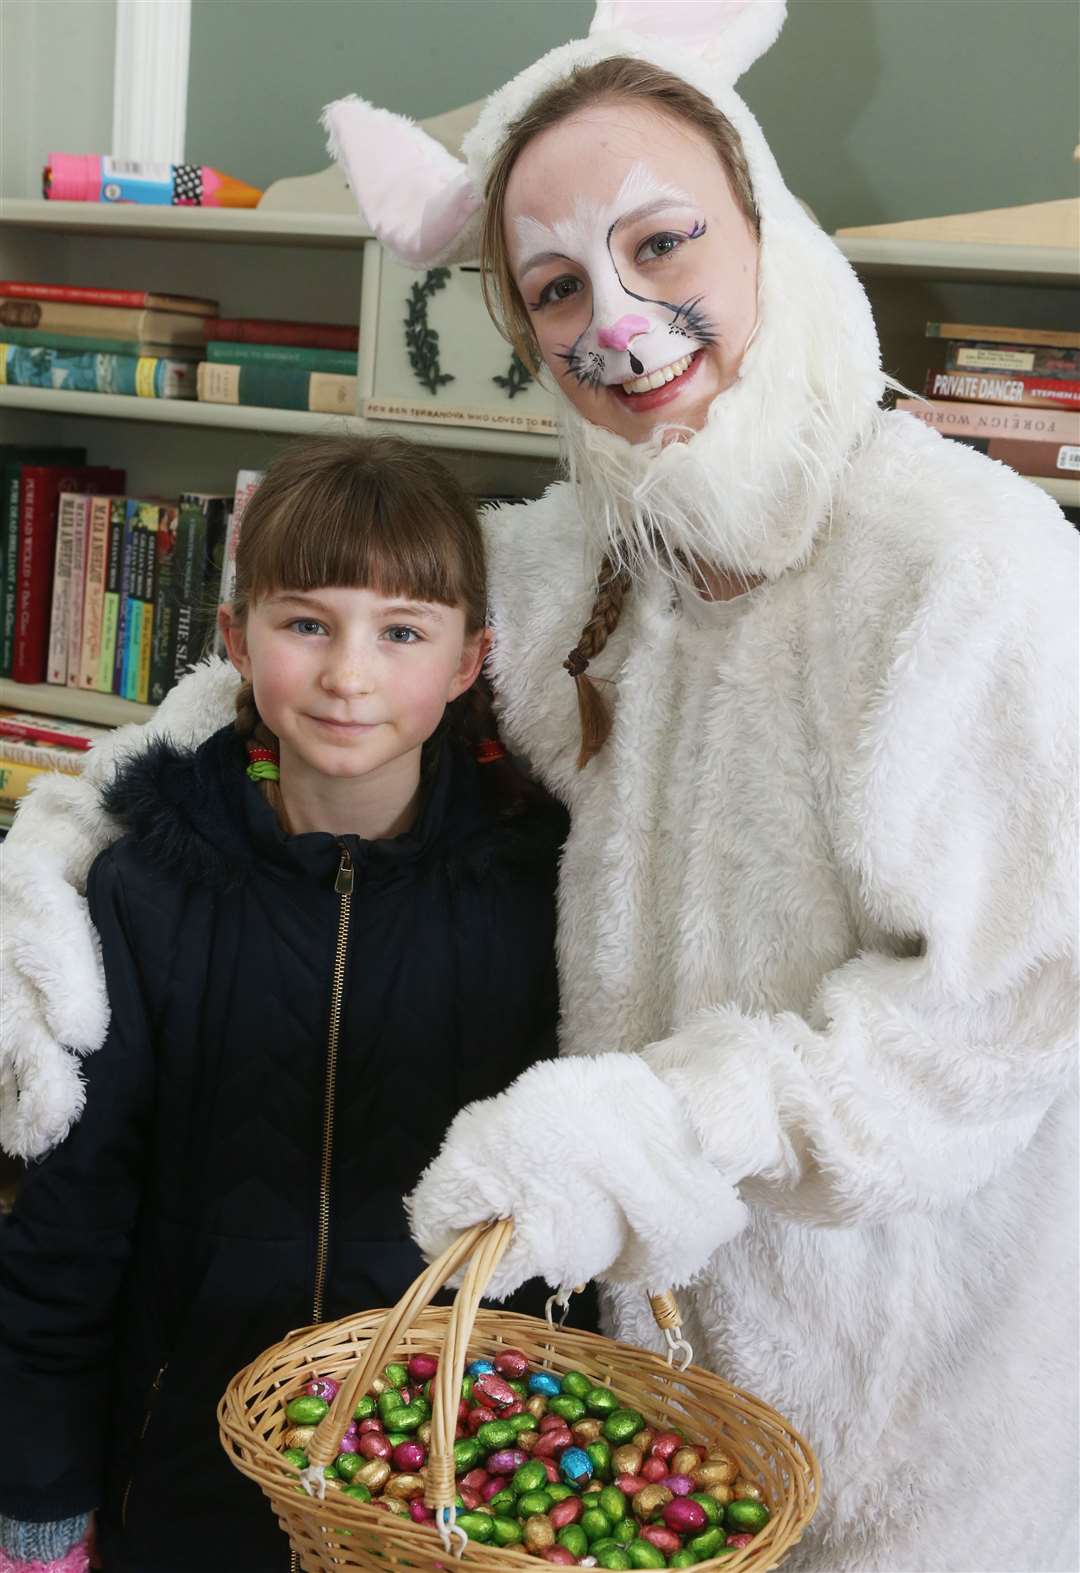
(876, 109)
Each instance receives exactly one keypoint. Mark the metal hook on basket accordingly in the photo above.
(678, 1349)
(449, 1529)
(313, 1480)
(561, 1298)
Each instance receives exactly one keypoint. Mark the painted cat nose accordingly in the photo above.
(618, 336)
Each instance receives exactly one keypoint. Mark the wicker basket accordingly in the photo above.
(338, 1532)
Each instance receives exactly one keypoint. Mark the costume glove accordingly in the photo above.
(51, 981)
(600, 1170)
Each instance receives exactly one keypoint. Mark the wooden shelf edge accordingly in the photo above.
(269, 422)
(71, 703)
(239, 226)
(1063, 489)
(878, 257)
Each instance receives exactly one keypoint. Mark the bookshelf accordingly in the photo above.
(310, 266)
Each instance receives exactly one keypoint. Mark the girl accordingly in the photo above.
(321, 936)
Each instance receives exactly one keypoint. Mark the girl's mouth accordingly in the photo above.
(657, 387)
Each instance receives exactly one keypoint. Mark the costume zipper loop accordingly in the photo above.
(343, 885)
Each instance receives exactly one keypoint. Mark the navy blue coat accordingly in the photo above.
(173, 1235)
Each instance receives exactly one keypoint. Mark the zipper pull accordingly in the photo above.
(344, 880)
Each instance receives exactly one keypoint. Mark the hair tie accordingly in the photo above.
(263, 763)
(488, 751)
(576, 663)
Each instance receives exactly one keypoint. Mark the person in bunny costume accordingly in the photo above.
(816, 732)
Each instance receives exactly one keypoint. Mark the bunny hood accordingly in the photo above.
(752, 489)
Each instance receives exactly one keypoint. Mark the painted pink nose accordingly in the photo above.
(618, 336)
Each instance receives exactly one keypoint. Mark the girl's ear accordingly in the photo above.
(473, 656)
(232, 632)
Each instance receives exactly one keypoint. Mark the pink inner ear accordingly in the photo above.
(681, 21)
(415, 195)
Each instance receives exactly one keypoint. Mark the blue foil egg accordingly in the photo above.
(576, 1466)
(545, 1384)
(480, 1367)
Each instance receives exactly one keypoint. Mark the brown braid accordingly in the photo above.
(249, 723)
(612, 584)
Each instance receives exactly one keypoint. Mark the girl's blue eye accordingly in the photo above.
(559, 289)
(401, 635)
(306, 625)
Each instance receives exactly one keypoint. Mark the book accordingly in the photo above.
(110, 606)
(39, 491)
(126, 523)
(235, 353)
(145, 378)
(1043, 460)
(97, 549)
(16, 779)
(164, 609)
(131, 299)
(12, 456)
(42, 755)
(24, 726)
(994, 420)
(114, 322)
(1003, 387)
(278, 387)
(200, 545)
(1030, 359)
(34, 339)
(72, 515)
(145, 517)
(1052, 338)
(270, 330)
(246, 483)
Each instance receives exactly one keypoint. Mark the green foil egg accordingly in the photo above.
(570, 1408)
(505, 1531)
(601, 1402)
(530, 1502)
(397, 1375)
(643, 1554)
(529, 1477)
(307, 1410)
(600, 1456)
(478, 1526)
(622, 1425)
(574, 1538)
(365, 1407)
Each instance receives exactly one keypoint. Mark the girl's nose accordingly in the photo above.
(618, 336)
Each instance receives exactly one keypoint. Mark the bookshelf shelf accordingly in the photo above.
(245, 417)
(73, 703)
(962, 261)
(235, 225)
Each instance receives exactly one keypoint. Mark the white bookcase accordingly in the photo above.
(327, 268)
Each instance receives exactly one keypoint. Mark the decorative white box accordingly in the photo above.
(430, 353)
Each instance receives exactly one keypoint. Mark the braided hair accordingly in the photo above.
(613, 581)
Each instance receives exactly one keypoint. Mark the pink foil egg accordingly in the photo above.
(410, 1457)
(511, 1363)
(665, 1540)
(506, 1460)
(684, 1516)
(422, 1367)
(476, 1479)
(471, 1499)
(349, 1444)
(421, 1514)
(494, 1390)
(568, 1511)
(552, 1443)
(366, 1426)
(372, 1445)
(552, 1469)
(492, 1487)
(560, 1555)
(678, 1485)
(324, 1387)
(666, 1444)
(630, 1485)
(653, 1470)
(741, 1539)
(552, 1423)
(479, 1417)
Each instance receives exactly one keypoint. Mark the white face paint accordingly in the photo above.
(639, 270)
(627, 335)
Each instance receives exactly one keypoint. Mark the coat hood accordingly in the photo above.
(752, 489)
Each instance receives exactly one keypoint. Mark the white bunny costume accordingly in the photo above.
(818, 904)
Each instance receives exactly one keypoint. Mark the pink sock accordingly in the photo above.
(74, 1561)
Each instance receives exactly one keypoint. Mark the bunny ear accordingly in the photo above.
(417, 197)
(730, 33)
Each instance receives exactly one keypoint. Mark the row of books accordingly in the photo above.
(166, 346)
(103, 591)
(31, 744)
(1013, 393)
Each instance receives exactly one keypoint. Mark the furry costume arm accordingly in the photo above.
(926, 1065)
(55, 1007)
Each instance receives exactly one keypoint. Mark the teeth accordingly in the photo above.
(657, 379)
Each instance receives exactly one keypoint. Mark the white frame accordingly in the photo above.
(150, 80)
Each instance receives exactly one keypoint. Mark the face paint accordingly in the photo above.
(642, 287)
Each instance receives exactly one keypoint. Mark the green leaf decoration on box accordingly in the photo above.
(422, 341)
(517, 379)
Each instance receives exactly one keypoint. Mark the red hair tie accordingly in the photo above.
(488, 750)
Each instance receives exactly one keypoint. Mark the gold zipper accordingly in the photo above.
(151, 1400)
(343, 885)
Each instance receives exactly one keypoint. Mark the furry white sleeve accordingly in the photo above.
(926, 1065)
(600, 1171)
(51, 980)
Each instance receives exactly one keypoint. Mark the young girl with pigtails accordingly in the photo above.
(325, 930)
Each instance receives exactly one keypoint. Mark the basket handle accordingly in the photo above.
(325, 1445)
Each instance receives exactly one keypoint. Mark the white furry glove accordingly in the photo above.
(51, 981)
(599, 1168)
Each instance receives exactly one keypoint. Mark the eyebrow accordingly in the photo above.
(301, 598)
(670, 199)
